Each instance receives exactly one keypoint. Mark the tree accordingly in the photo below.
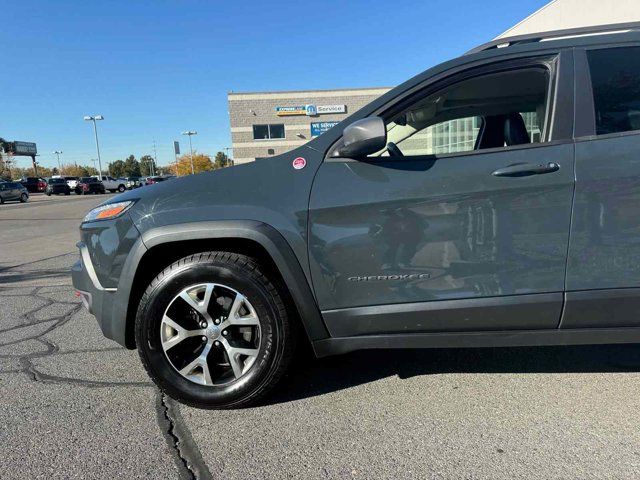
(117, 169)
(132, 167)
(146, 163)
(221, 161)
(201, 163)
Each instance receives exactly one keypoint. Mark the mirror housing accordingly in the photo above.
(363, 137)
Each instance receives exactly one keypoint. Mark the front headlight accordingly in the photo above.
(108, 211)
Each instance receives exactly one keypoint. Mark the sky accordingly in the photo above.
(156, 69)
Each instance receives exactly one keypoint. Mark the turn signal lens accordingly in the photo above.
(108, 211)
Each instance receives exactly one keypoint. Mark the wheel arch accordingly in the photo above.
(163, 245)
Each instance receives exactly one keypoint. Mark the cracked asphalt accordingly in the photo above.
(76, 405)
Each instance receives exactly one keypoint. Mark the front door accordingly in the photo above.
(460, 224)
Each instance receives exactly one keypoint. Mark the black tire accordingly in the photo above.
(121, 188)
(48, 194)
(68, 192)
(1, 200)
(278, 335)
(24, 198)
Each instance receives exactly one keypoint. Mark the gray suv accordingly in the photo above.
(493, 200)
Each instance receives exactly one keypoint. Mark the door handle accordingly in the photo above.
(526, 169)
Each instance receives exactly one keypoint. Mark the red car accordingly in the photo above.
(33, 184)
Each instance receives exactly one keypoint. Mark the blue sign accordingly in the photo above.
(318, 128)
(311, 110)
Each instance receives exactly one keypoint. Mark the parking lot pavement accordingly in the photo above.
(77, 405)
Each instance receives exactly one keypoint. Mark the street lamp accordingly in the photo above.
(190, 133)
(93, 118)
(57, 154)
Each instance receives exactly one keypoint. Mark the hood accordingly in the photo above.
(260, 190)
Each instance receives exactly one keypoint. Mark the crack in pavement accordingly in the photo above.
(187, 456)
(184, 450)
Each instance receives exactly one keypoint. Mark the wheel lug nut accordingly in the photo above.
(216, 321)
(225, 333)
(217, 344)
(204, 339)
(203, 325)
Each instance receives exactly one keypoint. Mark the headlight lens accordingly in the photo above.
(108, 211)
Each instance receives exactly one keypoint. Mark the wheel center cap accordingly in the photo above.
(212, 332)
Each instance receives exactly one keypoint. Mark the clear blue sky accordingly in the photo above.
(155, 69)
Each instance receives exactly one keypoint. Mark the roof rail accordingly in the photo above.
(569, 32)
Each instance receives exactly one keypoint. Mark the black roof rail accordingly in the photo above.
(569, 32)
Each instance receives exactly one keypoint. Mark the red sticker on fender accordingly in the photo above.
(299, 163)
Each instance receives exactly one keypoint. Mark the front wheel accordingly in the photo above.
(121, 188)
(213, 332)
(24, 198)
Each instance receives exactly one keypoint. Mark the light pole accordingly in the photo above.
(57, 154)
(190, 133)
(226, 149)
(94, 164)
(93, 118)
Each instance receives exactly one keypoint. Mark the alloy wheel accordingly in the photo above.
(210, 334)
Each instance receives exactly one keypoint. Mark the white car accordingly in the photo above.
(113, 184)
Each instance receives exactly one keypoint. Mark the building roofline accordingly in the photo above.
(356, 89)
(526, 19)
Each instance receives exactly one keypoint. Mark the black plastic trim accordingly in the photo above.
(616, 307)
(522, 312)
(271, 240)
(522, 338)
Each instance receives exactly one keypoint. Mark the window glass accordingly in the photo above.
(615, 76)
(261, 132)
(276, 131)
(489, 111)
(265, 132)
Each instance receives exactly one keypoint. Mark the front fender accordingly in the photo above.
(265, 235)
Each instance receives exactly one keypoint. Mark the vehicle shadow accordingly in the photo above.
(312, 377)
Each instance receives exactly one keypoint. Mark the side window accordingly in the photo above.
(489, 111)
(615, 77)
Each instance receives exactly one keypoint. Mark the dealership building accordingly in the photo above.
(264, 124)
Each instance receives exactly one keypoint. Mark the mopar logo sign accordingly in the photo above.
(311, 110)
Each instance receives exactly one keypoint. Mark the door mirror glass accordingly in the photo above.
(363, 138)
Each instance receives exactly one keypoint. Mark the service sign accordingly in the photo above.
(318, 128)
(310, 110)
(24, 148)
(331, 109)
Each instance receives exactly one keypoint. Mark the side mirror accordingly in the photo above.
(363, 138)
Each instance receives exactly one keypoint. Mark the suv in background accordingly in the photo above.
(13, 191)
(57, 186)
(71, 181)
(33, 184)
(89, 185)
(132, 182)
(491, 201)
(113, 184)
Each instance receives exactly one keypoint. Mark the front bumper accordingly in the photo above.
(95, 298)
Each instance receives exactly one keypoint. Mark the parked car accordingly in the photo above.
(89, 185)
(493, 200)
(71, 181)
(157, 179)
(113, 184)
(33, 184)
(57, 186)
(132, 182)
(13, 191)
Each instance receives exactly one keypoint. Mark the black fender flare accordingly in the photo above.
(265, 235)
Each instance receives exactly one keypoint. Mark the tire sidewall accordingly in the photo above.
(155, 303)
